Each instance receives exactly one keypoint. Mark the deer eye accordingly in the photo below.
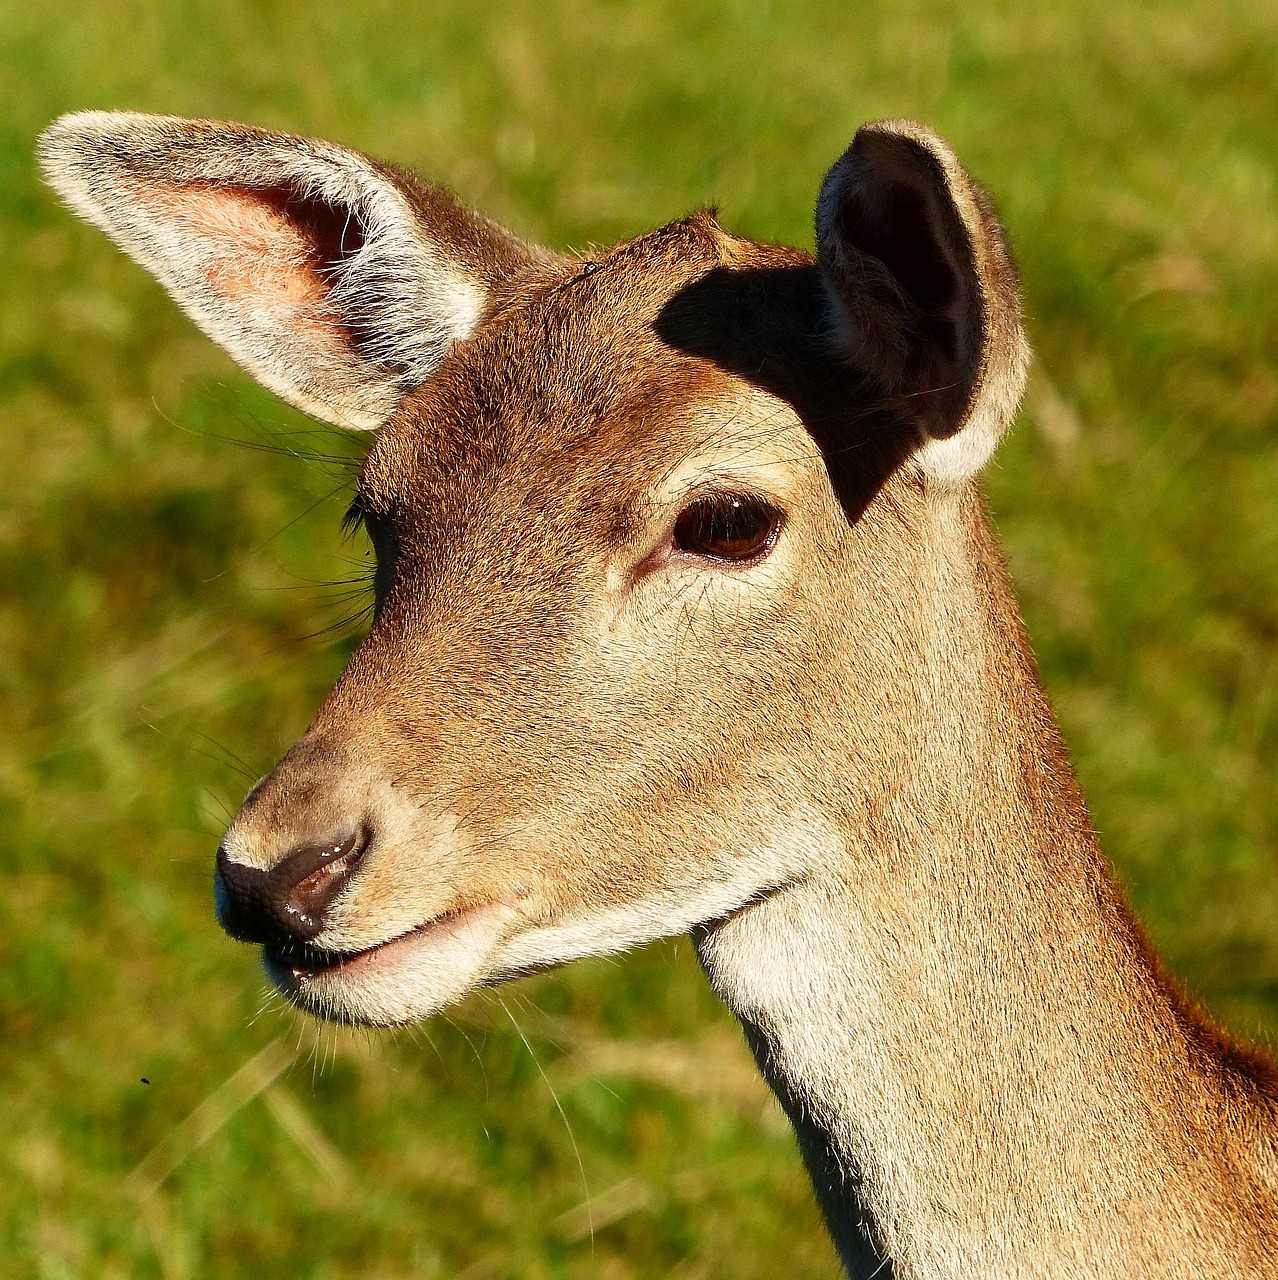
(728, 526)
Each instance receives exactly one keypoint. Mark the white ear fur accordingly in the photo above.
(925, 295)
(337, 282)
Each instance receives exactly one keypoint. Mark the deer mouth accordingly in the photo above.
(304, 963)
(401, 979)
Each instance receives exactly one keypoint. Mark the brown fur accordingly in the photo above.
(835, 765)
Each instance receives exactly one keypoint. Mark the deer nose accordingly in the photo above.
(288, 902)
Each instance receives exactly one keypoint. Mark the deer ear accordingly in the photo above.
(925, 294)
(339, 283)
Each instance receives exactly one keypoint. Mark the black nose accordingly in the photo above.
(287, 903)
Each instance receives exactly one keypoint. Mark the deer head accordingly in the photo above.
(657, 538)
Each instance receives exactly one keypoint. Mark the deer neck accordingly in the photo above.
(985, 1072)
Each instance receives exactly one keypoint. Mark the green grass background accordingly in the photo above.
(163, 613)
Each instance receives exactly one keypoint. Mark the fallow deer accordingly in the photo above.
(689, 617)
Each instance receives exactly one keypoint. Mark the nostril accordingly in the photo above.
(308, 880)
(287, 903)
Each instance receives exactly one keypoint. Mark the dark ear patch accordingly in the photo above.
(925, 296)
(893, 228)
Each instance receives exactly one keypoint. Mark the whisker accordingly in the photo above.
(563, 1115)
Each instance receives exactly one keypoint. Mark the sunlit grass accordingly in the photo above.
(165, 631)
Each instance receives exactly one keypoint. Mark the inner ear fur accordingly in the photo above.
(925, 294)
(338, 282)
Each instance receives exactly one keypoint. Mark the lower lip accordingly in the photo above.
(292, 975)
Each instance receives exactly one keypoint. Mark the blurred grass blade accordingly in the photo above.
(582, 1220)
(257, 1074)
(168, 1242)
(296, 1121)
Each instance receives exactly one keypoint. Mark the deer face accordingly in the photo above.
(643, 531)
(587, 543)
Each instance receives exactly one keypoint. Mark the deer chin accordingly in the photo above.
(404, 979)
(413, 975)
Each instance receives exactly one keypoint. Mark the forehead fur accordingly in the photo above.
(580, 379)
